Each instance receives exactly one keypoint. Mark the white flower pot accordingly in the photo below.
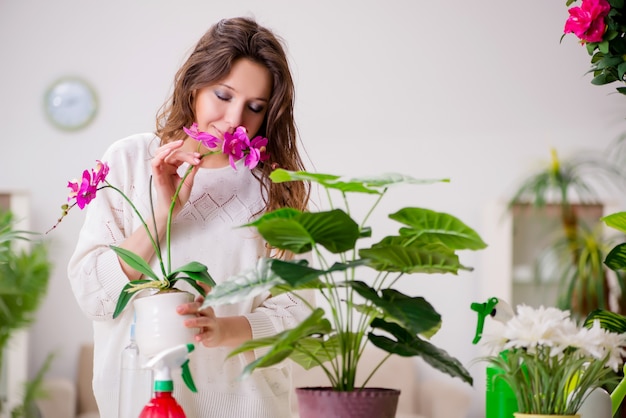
(158, 325)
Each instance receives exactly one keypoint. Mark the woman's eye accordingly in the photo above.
(256, 108)
(222, 96)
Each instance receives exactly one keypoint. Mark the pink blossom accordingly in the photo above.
(85, 192)
(204, 138)
(257, 152)
(587, 21)
(235, 145)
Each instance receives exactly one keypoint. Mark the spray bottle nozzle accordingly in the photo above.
(494, 307)
(165, 361)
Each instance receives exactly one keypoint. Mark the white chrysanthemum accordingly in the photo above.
(542, 326)
(597, 342)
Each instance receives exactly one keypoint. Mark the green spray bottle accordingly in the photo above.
(500, 399)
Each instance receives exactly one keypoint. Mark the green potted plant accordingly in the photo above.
(357, 280)
(580, 247)
(24, 275)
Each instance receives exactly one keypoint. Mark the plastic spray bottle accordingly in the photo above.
(163, 404)
(135, 380)
(500, 399)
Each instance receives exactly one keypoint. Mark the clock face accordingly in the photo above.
(71, 103)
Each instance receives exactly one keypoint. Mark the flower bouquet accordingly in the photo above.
(552, 364)
(236, 145)
(601, 27)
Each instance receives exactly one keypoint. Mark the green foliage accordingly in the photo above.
(360, 308)
(24, 278)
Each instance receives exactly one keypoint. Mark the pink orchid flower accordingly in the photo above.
(85, 192)
(235, 145)
(587, 21)
(205, 138)
(257, 152)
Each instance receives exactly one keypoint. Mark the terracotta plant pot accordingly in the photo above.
(158, 325)
(316, 402)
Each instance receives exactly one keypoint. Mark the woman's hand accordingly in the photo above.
(166, 180)
(215, 331)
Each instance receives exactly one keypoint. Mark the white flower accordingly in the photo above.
(543, 326)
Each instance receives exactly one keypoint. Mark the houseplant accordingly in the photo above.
(550, 362)
(580, 248)
(24, 275)
(601, 27)
(357, 281)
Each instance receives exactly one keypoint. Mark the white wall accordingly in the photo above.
(474, 91)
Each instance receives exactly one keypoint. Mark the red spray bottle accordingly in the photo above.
(163, 404)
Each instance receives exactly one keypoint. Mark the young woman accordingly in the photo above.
(237, 75)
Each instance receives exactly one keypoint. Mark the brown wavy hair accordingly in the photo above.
(211, 61)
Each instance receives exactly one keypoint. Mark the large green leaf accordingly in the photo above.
(408, 345)
(616, 220)
(314, 351)
(414, 314)
(283, 344)
(399, 254)
(245, 285)
(298, 233)
(136, 262)
(431, 226)
(370, 185)
(299, 275)
(616, 258)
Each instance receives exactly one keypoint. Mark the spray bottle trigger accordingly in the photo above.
(187, 378)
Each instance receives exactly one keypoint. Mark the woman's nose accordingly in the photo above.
(234, 117)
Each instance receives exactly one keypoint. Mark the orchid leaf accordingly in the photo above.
(126, 295)
(134, 261)
(196, 271)
(408, 345)
(193, 283)
(431, 226)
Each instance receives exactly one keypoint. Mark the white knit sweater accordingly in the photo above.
(206, 230)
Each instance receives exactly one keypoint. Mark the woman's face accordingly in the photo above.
(240, 99)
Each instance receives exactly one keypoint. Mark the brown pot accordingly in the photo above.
(317, 402)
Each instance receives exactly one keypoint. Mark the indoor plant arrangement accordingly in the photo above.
(552, 364)
(579, 248)
(601, 27)
(358, 282)
(237, 145)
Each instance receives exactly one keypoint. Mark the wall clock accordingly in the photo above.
(70, 103)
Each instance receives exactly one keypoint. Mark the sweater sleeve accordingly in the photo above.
(94, 271)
